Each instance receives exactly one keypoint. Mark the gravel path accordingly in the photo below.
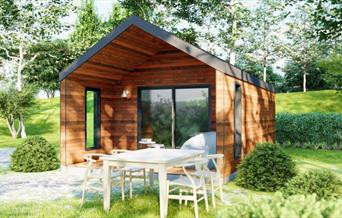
(52, 185)
(5, 157)
(39, 186)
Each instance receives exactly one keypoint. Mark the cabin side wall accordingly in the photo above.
(258, 118)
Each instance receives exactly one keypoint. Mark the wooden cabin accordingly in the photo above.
(141, 81)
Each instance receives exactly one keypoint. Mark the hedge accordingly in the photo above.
(309, 130)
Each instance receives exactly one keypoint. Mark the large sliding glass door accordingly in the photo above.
(171, 116)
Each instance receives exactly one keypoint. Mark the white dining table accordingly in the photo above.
(152, 158)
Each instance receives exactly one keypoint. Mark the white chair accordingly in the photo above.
(214, 177)
(93, 176)
(133, 172)
(191, 185)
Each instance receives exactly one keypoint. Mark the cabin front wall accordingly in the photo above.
(258, 118)
(119, 116)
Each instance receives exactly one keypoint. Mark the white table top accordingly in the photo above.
(153, 156)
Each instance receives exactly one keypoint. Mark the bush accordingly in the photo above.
(266, 168)
(34, 154)
(309, 130)
(278, 206)
(323, 183)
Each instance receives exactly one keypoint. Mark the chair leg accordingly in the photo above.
(83, 192)
(180, 196)
(212, 192)
(122, 183)
(206, 198)
(195, 202)
(221, 192)
(144, 173)
(130, 185)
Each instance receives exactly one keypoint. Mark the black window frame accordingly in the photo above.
(173, 90)
(97, 118)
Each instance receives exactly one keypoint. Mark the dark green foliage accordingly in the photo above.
(43, 72)
(309, 130)
(323, 183)
(279, 206)
(34, 154)
(266, 168)
(256, 69)
(293, 78)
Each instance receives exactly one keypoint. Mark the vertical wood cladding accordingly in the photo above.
(258, 118)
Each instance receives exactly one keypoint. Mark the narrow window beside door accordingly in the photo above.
(92, 118)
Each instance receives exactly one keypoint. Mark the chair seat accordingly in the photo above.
(132, 169)
(185, 181)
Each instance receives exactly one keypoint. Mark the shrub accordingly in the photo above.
(323, 183)
(266, 168)
(278, 206)
(309, 130)
(34, 154)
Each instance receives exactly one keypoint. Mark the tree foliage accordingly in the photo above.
(332, 64)
(13, 103)
(294, 77)
(43, 72)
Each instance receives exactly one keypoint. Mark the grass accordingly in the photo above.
(313, 101)
(140, 206)
(308, 159)
(42, 119)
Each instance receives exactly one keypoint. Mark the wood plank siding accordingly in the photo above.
(258, 118)
(137, 59)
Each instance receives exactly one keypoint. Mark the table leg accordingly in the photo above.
(151, 179)
(106, 186)
(162, 174)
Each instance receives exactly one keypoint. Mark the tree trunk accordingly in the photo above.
(232, 56)
(304, 78)
(265, 68)
(22, 126)
(52, 94)
(11, 127)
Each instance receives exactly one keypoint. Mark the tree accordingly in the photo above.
(262, 37)
(13, 104)
(333, 66)
(89, 29)
(43, 72)
(294, 77)
(300, 46)
(249, 65)
(23, 24)
(326, 16)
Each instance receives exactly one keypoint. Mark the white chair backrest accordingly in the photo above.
(204, 141)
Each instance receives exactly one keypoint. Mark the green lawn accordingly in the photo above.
(312, 101)
(307, 159)
(42, 119)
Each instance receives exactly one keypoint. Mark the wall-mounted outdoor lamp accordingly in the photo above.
(125, 93)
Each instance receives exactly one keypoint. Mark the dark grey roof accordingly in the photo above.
(192, 50)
